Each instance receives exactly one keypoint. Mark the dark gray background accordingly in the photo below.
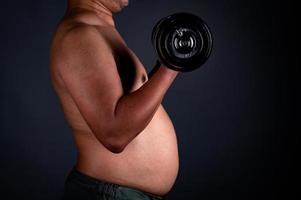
(235, 117)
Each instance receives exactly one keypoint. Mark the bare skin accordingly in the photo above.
(122, 133)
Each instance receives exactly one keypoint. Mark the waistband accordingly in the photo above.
(107, 187)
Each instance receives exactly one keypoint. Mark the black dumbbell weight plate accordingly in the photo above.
(183, 41)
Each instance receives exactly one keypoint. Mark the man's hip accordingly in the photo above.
(79, 186)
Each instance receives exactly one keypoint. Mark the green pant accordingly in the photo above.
(79, 186)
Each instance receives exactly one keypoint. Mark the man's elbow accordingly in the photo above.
(114, 148)
(114, 144)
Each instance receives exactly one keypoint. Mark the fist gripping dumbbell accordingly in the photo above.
(183, 41)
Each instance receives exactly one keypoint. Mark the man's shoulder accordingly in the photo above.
(80, 43)
(79, 32)
(81, 36)
(101, 39)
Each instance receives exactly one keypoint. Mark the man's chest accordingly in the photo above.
(131, 71)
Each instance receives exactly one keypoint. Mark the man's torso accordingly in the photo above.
(150, 162)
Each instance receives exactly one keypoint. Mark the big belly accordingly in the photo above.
(149, 163)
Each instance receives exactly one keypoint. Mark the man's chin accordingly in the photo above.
(120, 4)
(124, 3)
(121, 7)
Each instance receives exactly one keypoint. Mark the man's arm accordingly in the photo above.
(91, 77)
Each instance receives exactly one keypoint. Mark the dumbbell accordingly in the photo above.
(183, 41)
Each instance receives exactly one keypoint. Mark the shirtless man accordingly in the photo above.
(126, 142)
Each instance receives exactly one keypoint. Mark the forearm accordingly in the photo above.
(134, 111)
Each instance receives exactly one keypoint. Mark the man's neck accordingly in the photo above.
(96, 7)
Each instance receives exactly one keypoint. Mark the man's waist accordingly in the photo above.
(103, 186)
